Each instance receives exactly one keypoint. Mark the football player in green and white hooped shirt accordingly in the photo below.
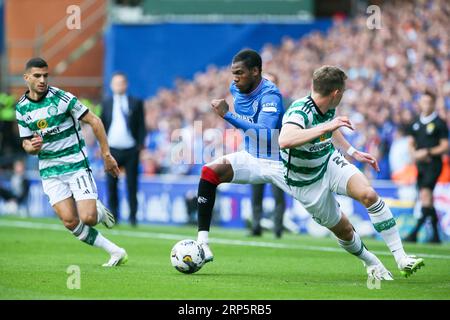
(49, 125)
(315, 170)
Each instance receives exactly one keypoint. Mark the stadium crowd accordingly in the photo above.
(388, 68)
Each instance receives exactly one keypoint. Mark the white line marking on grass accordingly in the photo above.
(168, 236)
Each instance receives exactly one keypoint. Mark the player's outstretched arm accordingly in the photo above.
(340, 142)
(293, 135)
(100, 133)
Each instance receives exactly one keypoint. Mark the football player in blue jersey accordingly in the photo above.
(258, 111)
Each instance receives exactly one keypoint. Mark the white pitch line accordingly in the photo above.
(168, 236)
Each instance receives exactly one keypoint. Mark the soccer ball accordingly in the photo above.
(187, 256)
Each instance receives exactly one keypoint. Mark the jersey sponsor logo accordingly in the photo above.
(42, 124)
(51, 131)
(52, 110)
(269, 107)
(246, 118)
(430, 128)
(319, 147)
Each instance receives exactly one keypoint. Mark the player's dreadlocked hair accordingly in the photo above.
(251, 59)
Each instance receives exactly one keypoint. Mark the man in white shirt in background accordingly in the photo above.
(123, 117)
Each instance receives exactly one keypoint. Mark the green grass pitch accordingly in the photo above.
(36, 253)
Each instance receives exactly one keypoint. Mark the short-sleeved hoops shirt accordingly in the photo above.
(55, 117)
(307, 163)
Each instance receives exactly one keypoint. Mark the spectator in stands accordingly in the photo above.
(388, 70)
(19, 188)
(401, 163)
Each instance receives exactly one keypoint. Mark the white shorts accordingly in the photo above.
(251, 170)
(318, 198)
(80, 184)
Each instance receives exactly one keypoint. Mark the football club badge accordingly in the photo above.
(42, 124)
(52, 110)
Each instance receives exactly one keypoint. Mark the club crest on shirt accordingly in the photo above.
(42, 124)
(52, 110)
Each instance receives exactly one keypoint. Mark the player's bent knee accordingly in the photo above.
(209, 174)
(369, 197)
(70, 223)
(89, 219)
(343, 230)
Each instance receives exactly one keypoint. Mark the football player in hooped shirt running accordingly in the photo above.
(258, 112)
(315, 170)
(49, 121)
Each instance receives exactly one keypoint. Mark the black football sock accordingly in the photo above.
(205, 202)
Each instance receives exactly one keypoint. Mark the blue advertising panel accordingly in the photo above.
(162, 200)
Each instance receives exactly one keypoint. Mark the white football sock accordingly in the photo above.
(384, 222)
(92, 237)
(357, 248)
(203, 237)
(106, 244)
